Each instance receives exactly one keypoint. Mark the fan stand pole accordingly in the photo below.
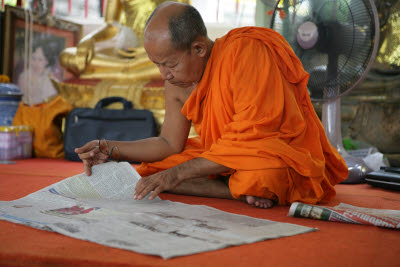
(331, 120)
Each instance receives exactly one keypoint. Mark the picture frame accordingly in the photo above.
(32, 44)
(2, 17)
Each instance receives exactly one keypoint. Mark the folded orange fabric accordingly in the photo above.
(46, 120)
(253, 114)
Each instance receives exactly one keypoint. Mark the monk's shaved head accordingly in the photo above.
(177, 22)
(175, 39)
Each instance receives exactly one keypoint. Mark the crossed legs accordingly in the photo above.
(216, 188)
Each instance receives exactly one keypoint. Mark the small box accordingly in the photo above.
(10, 97)
(15, 142)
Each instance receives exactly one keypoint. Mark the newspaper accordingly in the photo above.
(100, 208)
(348, 213)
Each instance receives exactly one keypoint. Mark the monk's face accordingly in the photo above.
(182, 68)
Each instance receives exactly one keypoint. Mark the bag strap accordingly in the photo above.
(113, 99)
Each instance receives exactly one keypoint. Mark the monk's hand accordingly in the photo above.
(91, 154)
(159, 182)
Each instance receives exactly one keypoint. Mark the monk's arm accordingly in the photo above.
(145, 150)
(169, 179)
(172, 138)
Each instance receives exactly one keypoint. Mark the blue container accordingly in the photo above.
(10, 96)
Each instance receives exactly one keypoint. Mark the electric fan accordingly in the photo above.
(336, 41)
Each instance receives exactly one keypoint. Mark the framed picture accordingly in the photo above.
(32, 45)
(1, 39)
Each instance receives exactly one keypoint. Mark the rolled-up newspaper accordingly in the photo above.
(348, 214)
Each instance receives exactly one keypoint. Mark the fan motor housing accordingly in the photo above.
(307, 35)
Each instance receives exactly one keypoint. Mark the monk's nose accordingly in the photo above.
(165, 74)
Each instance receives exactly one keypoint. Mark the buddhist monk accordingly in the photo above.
(259, 138)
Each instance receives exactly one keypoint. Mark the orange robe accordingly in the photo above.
(253, 114)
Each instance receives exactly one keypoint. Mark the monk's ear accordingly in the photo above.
(199, 48)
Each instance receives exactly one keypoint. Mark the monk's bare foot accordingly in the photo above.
(259, 202)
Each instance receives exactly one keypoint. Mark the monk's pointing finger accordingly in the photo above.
(87, 167)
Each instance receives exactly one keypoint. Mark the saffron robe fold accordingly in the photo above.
(253, 114)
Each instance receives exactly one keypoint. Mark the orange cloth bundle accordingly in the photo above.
(46, 120)
(253, 114)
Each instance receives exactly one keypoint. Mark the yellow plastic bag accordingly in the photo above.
(46, 120)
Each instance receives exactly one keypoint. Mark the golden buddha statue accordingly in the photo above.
(123, 69)
(127, 60)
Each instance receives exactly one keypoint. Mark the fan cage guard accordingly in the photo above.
(348, 31)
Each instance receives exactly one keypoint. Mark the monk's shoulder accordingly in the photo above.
(175, 94)
(241, 49)
(239, 42)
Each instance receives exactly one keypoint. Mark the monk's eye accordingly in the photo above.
(171, 66)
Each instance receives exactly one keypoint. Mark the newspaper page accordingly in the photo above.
(348, 213)
(100, 208)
